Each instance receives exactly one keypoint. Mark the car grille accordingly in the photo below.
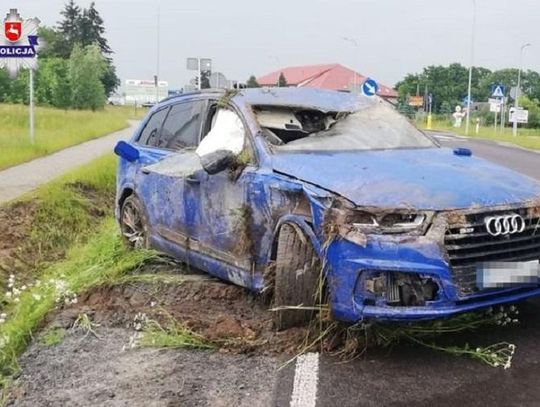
(470, 243)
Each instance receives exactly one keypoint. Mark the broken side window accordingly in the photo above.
(227, 132)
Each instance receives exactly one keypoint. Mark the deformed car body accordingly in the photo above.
(279, 189)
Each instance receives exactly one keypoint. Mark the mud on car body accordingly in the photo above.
(303, 194)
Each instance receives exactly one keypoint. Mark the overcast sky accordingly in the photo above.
(394, 37)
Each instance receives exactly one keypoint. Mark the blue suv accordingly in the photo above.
(317, 197)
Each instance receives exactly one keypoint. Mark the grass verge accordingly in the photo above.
(102, 259)
(527, 138)
(38, 229)
(55, 129)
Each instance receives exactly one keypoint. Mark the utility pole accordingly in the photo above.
(473, 34)
(516, 101)
(157, 54)
(355, 44)
(31, 105)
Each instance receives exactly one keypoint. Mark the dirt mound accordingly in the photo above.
(16, 221)
(222, 313)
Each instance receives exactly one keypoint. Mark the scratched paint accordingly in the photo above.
(198, 217)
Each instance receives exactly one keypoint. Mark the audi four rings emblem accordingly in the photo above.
(504, 225)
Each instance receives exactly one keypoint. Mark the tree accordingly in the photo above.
(69, 28)
(282, 82)
(533, 107)
(5, 85)
(252, 82)
(52, 83)
(446, 84)
(205, 79)
(91, 29)
(84, 27)
(86, 67)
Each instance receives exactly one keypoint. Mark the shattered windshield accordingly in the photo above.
(375, 126)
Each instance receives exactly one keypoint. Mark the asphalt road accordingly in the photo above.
(524, 161)
(403, 376)
(416, 376)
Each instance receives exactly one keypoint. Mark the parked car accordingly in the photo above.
(309, 196)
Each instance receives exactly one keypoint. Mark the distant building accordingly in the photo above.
(329, 76)
(139, 91)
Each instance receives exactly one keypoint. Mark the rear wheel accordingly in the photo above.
(297, 278)
(133, 223)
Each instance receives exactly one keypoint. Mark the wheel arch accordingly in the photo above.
(305, 227)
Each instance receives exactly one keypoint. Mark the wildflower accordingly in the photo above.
(36, 297)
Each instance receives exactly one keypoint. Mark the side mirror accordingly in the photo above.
(126, 151)
(217, 161)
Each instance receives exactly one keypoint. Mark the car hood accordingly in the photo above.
(432, 179)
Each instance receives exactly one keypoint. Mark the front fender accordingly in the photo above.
(299, 221)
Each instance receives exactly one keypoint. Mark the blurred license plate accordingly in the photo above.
(507, 274)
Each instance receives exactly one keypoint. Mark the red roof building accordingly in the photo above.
(329, 76)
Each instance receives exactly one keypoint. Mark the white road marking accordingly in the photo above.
(306, 377)
(444, 137)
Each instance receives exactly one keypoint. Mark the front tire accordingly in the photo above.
(133, 223)
(297, 279)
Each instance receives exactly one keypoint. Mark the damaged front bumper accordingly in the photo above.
(401, 278)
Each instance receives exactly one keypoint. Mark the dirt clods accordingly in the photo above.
(223, 314)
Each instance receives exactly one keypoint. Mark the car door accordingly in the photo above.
(148, 156)
(216, 207)
(164, 180)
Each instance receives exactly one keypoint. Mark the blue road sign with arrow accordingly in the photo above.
(497, 91)
(370, 87)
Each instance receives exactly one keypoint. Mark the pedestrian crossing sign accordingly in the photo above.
(497, 91)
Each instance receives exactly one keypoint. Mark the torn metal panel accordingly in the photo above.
(432, 179)
(394, 227)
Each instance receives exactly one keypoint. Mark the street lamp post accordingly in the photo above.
(473, 34)
(518, 89)
(355, 44)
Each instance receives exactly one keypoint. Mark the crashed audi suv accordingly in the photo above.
(310, 196)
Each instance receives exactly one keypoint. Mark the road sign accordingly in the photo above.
(370, 87)
(495, 105)
(416, 101)
(497, 91)
(518, 115)
(218, 80)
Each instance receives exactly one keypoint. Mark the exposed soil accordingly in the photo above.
(22, 256)
(16, 221)
(224, 314)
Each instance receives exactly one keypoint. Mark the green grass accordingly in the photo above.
(68, 207)
(52, 336)
(173, 335)
(527, 138)
(103, 258)
(54, 129)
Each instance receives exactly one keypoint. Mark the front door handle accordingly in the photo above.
(192, 180)
(145, 171)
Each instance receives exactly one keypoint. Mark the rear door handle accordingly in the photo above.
(145, 171)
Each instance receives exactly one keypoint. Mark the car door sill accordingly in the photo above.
(193, 244)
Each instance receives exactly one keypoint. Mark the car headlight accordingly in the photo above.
(388, 221)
